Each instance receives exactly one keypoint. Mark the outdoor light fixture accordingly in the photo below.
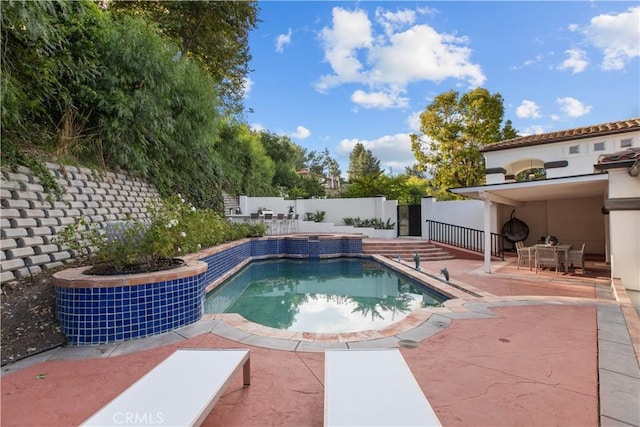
(445, 273)
(634, 170)
(416, 258)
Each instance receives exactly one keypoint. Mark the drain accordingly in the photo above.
(408, 343)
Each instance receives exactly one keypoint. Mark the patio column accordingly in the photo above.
(487, 235)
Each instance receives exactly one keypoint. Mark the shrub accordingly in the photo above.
(174, 228)
(375, 223)
(318, 216)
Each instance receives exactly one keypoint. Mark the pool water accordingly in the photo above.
(329, 296)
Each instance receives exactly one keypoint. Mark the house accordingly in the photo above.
(589, 192)
(330, 182)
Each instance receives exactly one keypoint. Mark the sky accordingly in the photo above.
(331, 74)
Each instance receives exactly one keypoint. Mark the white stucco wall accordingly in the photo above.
(624, 230)
(335, 209)
(465, 213)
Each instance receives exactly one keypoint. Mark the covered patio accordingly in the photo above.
(568, 208)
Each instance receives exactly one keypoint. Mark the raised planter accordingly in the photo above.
(99, 309)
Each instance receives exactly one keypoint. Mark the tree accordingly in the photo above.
(51, 54)
(245, 163)
(322, 163)
(508, 131)
(415, 170)
(216, 33)
(362, 162)
(457, 128)
(288, 158)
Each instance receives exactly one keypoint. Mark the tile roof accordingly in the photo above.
(603, 129)
(628, 155)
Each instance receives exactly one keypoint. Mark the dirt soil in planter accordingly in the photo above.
(161, 265)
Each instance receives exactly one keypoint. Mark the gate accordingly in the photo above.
(409, 220)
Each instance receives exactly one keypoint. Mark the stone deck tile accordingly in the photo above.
(282, 334)
(619, 358)
(619, 397)
(304, 336)
(229, 332)
(323, 337)
(197, 328)
(369, 335)
(420, 333)
(85, 352)
(387, 342)
(318, 346)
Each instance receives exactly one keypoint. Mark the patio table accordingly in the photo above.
(563, 252)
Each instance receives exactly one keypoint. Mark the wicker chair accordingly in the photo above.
(575, 257)
(547, 257)
(524, 254)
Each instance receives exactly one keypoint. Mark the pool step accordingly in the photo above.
(406, 248)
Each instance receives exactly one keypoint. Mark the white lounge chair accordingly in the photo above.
(180, 391)
(373, 388)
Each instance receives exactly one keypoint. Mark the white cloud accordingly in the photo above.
(301, 133)
(257, 127)
(572, 107)
(528, 110)
(533, 130)
(576, 61)
(616, 35)
(538, 58)
(393, 151)
(247, 85)
(414, 122)
(351, 31)
(388, 61)
(392, 21)
(421, 53)
(380, 100)
(282, 40)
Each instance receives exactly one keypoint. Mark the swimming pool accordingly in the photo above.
(325, 296)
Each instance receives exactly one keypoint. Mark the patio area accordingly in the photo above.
(533, 349)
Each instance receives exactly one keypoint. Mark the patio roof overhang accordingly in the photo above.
(519, 193)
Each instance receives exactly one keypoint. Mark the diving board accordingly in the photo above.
(373, 388)
(180, 391)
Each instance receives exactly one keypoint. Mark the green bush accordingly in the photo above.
(174, 228)
(318, 216)
(375, 223)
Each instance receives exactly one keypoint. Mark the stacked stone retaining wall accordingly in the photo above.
(30, 218)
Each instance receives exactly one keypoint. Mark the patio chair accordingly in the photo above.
(373, 387)
(180, 391)
(280, 224)
(524, 254)
(547, 257)
(268, 220)
(576, 256)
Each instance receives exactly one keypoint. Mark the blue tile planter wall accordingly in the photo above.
(103, 309)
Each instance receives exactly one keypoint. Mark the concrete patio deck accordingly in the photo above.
(533, 349)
